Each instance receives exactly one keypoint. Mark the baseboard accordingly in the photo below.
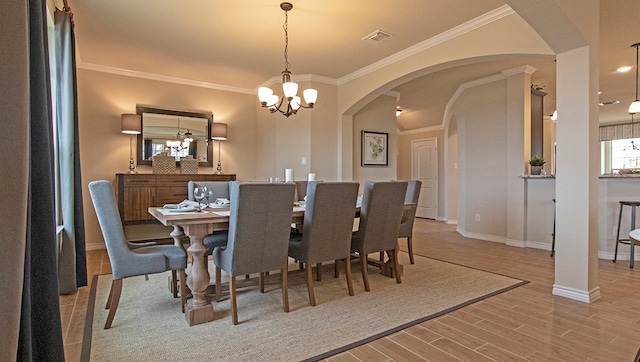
(577, 294)
(493, 238)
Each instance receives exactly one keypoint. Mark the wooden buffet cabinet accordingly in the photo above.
(137, 192)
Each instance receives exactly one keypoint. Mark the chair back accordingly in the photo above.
(301, 190)
(409, 215)
(380, 215)
(328, 220)
(220, 189)
(259, 228)
(104, 202)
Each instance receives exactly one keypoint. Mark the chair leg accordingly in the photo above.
(116, 290)
(174, 283)
(285, 289)
(312, 296)
(261, 282)
(318, 271)
(394, 264)
(336, 271)
(365, 276)
(109, 297)
(347, 271)
(410, 248)
(183, 288)
(218, 283)
(232, 294)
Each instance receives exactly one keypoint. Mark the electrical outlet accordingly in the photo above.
(477, 217)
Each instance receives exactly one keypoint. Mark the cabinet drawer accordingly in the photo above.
(177, 180)
(139, 181)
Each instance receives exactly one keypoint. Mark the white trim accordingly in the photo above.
(299, 78)
(163, 78)
(450, 222)
(421, 130)
(493, 238)
(577, 294)
(452, 33)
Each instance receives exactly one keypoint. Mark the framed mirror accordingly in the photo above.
(180, 133)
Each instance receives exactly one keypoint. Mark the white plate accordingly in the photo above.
(215, 206)
(183, 209)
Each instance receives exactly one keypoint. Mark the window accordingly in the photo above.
(620, 155)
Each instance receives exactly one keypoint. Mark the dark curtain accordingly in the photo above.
(72, 261)
(147, 149)
(40, 337)
(193, 149)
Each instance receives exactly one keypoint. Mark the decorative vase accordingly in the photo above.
(535, 170)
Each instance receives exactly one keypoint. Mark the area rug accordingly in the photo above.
(149, 324)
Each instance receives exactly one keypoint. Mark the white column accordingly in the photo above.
(577, 175)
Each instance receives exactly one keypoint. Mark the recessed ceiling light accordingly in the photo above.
(624, 69)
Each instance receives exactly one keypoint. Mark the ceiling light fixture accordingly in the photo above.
(398, 112)
(624, 69)
(635, 106)
(289, 88)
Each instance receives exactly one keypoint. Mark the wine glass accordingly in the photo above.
(199, 194)
(208, 193)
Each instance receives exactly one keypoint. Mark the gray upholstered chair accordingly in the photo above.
(328, 221)
(126, 261)
(259, 226)
(380, 215)
(409, 214)
(220, 190)
(301, 190)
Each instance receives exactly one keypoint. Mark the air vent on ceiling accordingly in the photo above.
(609, 103)
(377, 37)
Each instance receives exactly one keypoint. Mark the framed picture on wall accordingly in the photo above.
(375, 149)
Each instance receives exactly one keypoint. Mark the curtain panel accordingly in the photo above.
(40, 334)
(72, 258)
(619, 131)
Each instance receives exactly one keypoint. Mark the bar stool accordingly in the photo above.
(633, 205)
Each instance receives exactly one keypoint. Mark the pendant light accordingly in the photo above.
(635, 106)
(289, 89)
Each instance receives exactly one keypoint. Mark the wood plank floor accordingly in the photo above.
(525, 324)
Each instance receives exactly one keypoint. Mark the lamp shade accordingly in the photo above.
(131, 123)
(635, 107)
(219, 132)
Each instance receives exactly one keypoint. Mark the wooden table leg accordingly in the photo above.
(199, 309)
(177, 234)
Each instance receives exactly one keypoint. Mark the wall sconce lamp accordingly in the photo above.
(219, 133)
(131, 124)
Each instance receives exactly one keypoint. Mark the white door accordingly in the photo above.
(425, 169)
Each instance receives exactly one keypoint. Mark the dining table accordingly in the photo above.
(198, 224)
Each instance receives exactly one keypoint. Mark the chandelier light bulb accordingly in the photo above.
(310, 96)
(264, 94)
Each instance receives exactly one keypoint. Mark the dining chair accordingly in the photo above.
(127, 261)
(220, 190)
(380, 215)
(258, 239)
(409, 214)
(328, 220)
(301, 190)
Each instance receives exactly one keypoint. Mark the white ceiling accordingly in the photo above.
(240, 43)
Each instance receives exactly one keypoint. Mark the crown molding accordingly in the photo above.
(162, 78)
(452, 33)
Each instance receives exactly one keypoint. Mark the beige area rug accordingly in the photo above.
(149, 325)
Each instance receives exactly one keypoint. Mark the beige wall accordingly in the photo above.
(104, 150)
(377, 116)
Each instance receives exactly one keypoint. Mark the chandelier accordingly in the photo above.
(180, 144)
(289, 88)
